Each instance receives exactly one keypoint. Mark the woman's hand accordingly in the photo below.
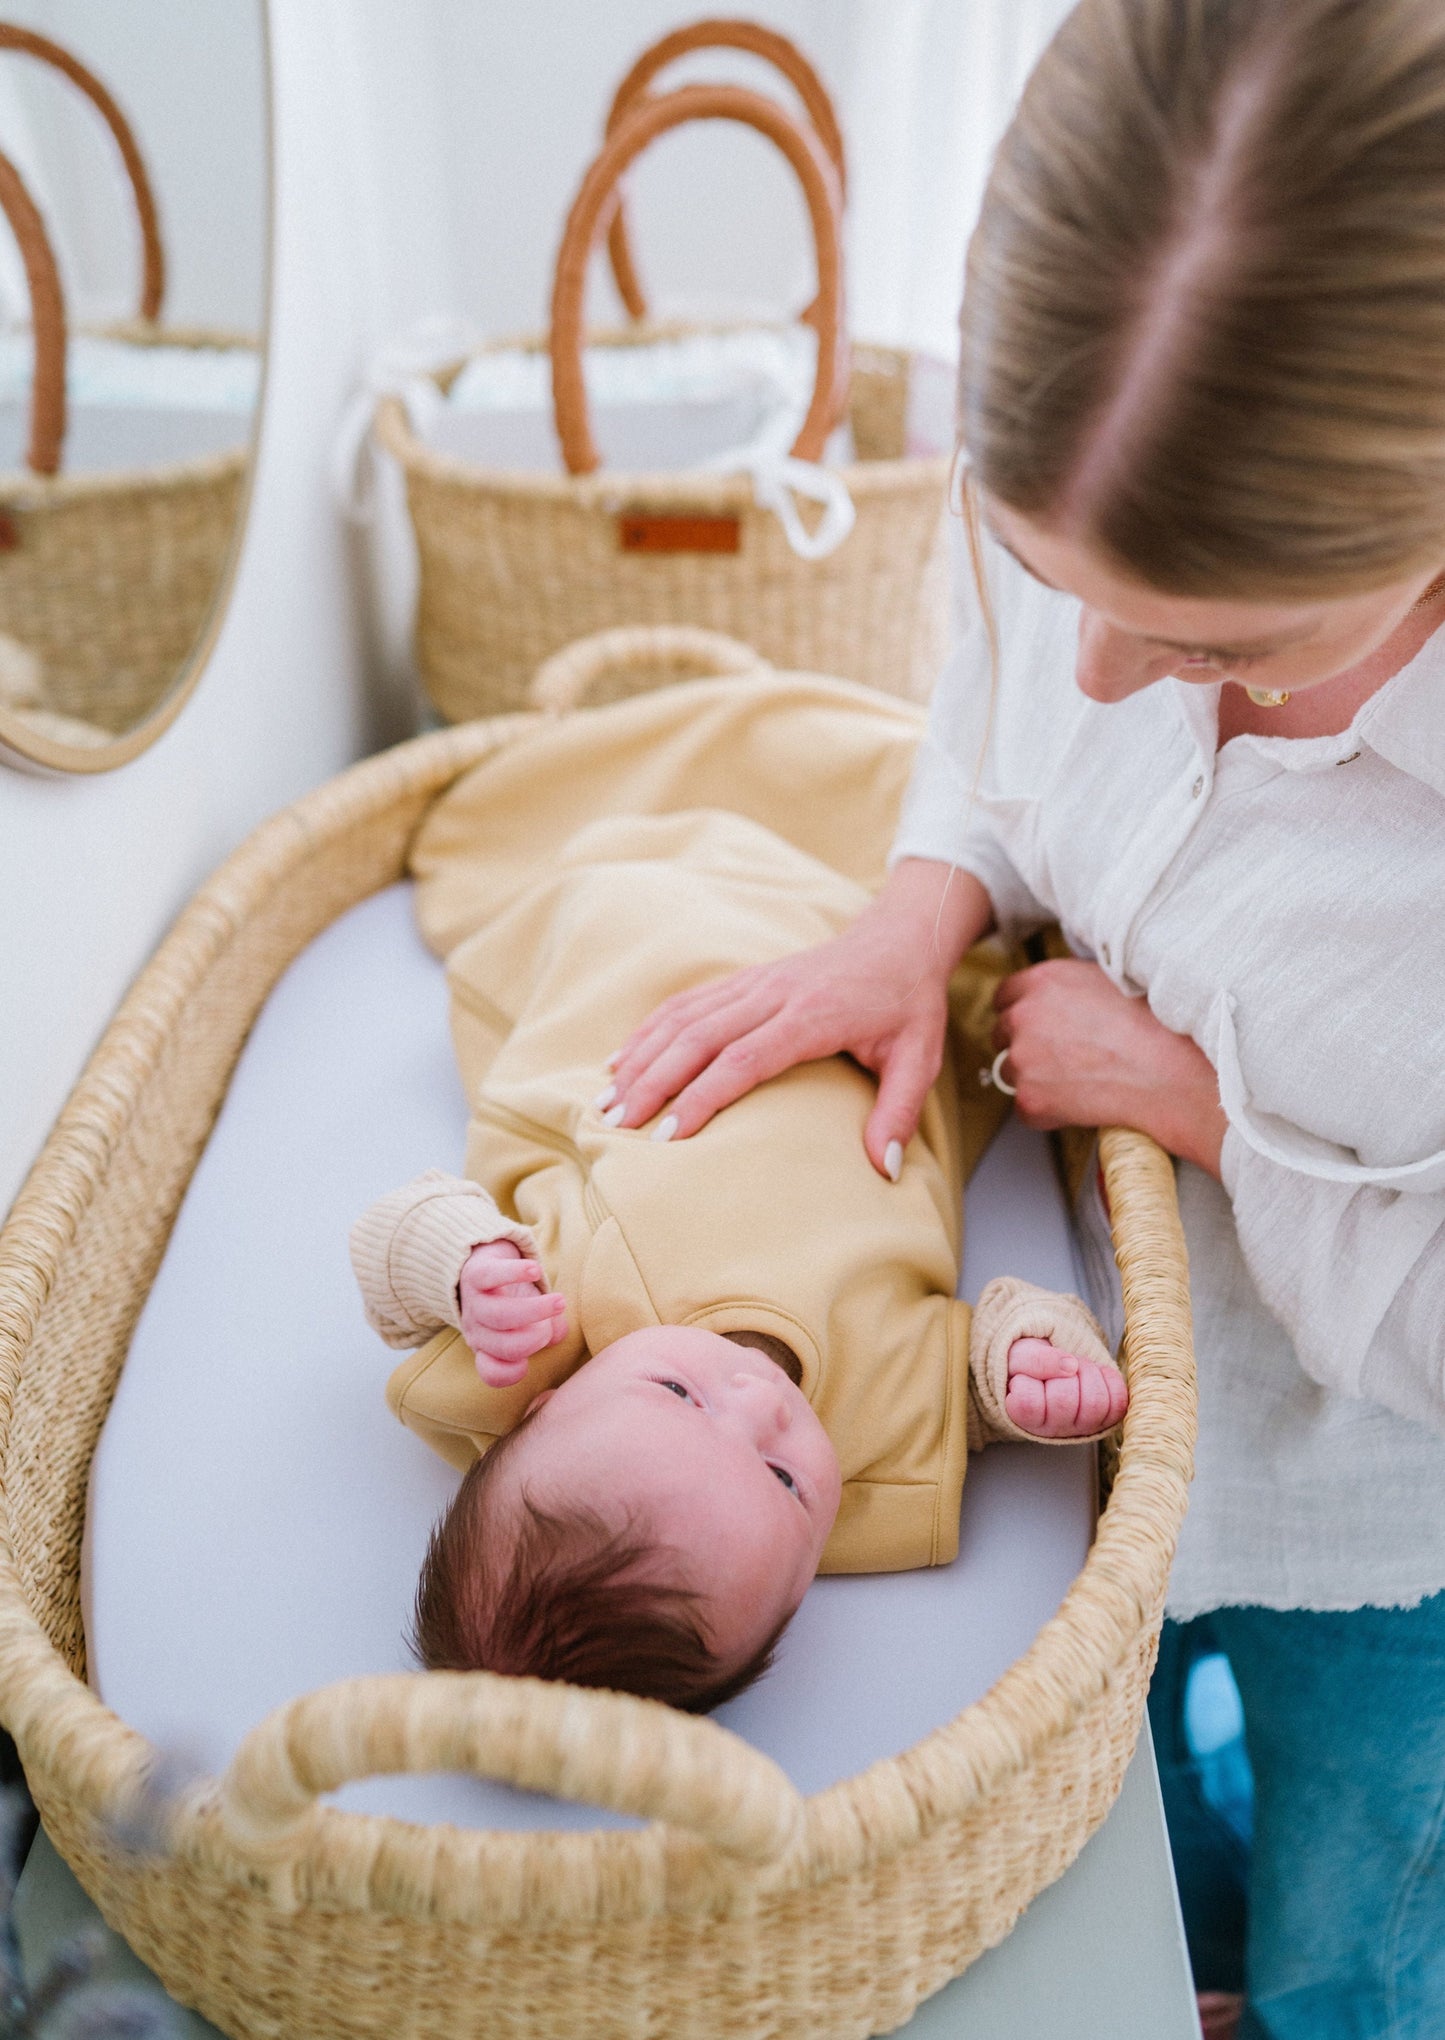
(506, 1317)
(877, 992)
(1082, 1053)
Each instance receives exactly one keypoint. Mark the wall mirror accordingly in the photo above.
(134, 185)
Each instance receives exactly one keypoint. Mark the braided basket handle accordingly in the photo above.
(650, 118)
(606, 1749)
(47, 321)
(758, 41)
(564, 680)
(153, 275)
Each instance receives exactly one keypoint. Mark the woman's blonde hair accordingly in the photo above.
(1204, 321)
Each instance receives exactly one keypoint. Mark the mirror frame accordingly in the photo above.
(26, 749)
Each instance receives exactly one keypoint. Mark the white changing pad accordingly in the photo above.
(257, 1518)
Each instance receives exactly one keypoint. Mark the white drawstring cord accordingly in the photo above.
(404, 369)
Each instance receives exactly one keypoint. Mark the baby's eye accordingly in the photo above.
(677, 1389)
(786, 1478)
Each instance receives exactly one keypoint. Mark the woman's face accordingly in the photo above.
(1130, 635)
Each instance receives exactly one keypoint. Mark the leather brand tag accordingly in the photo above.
(643, 533)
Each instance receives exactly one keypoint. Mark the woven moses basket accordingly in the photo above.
(742, 1908)
(515, 564)
(106, 579)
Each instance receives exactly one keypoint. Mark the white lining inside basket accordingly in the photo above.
(256, 1517)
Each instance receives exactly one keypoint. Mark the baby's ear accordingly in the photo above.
(537, 1401)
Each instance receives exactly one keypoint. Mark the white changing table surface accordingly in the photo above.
(256, 1517)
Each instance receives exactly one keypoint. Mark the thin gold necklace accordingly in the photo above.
(1264, 697)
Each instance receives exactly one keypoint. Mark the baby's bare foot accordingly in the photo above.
(1056, 1395)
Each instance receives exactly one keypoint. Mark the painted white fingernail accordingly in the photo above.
(893, 1160)
(613, 1060)
(665, 1128)
(604, 1098)
(614, 1117)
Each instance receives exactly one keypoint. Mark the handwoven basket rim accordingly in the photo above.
(610, 487)
(21, 490)
(867, 1818)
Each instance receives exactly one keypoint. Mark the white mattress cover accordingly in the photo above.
(256, 1516)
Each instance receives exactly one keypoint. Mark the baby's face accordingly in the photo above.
(718, 1454)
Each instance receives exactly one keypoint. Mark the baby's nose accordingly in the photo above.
(767, 1405)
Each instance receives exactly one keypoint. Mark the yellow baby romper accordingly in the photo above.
(584, 874)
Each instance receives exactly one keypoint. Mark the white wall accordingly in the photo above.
(719, 222)
(93, 869)
(923, 88)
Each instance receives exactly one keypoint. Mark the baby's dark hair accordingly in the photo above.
(560, 1593)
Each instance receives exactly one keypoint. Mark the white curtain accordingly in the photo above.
(927, 89)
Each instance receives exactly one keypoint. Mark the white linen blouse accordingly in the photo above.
(1282, 902)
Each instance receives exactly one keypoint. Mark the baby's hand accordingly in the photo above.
(1055, 1395)
(506, 1318)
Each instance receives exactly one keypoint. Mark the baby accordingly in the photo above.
(684, 1376)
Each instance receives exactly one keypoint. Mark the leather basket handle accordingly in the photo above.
(153, 274)
(47, 321)
(606, 1749)
(758, 41)
(652, 117)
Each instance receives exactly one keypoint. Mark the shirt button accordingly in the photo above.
(1197, 788)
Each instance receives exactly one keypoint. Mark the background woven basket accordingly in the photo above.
(515, 565)
(741, 1909)
(106, 580)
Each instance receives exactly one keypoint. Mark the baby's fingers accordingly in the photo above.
(1087, 1404)
(1040, 1360)
(500, 1373)
(513, 1347)
(502, 1271)
(1026, 1404)
(1102, 1397)
(1078, 1401)
(1117, 1389)
(491, 1311)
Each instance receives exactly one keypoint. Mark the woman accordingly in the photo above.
(1199, 718)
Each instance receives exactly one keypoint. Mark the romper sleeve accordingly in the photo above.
(942, 818)
(1354, 1273)
(409, 1248)
(1011, 1309)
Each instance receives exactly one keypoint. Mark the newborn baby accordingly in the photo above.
(683, 1376)
(704, 1478)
